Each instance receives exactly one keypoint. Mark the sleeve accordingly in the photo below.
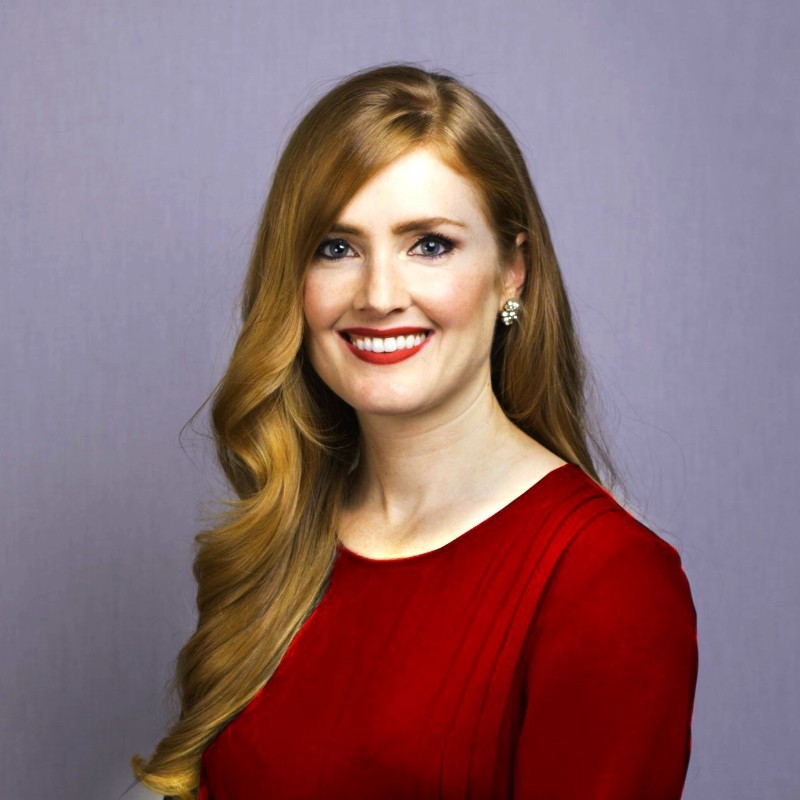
(610, 669)
(203, 792)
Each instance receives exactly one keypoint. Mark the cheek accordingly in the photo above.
(317, 302)
(463, 302)
(316, 312)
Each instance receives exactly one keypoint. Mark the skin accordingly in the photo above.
(438, 455)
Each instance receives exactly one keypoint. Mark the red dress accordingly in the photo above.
(549, 652)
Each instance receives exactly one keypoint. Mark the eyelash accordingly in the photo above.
(445, 240)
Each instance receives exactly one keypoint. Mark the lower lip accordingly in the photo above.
(387, 358)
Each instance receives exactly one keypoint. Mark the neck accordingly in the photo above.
(412, 463)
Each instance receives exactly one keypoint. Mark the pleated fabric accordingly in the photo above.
(549, 652)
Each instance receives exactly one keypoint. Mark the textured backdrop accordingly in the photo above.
(137, 141)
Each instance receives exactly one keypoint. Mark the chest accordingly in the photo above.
(413, 692)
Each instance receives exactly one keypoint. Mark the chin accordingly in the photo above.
(391, 412)
(381, 405)
(387, 409)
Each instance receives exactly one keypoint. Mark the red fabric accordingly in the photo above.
(550, 652)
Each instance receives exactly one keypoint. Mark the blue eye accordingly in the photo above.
(340, 250)
(438, 240)
(430, 241)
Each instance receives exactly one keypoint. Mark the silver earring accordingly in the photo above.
(509, 313)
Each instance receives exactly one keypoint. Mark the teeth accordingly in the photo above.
(389, 344)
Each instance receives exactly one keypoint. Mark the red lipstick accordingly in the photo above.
(385, 358)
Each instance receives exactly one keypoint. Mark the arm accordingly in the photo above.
(610, 672)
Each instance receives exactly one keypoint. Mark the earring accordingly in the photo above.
(509, 313)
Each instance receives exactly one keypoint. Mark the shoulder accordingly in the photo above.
(605, 545)
(610, 665)
(617, 548)
(615, 631)
(615, 579)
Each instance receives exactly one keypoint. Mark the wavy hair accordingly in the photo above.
(286, 443)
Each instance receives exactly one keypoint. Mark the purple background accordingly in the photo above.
(137, 141)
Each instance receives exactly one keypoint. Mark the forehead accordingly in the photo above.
(415, 185)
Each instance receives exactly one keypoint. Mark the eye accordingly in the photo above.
(431, 241)
(336, 253)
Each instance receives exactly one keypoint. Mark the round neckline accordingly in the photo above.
(418, 557)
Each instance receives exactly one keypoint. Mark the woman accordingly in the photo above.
(404, 422)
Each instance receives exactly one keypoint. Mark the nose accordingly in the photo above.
(382, 288)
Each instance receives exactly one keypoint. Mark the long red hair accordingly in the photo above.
(286, 442)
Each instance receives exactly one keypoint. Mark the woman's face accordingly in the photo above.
(401, 297)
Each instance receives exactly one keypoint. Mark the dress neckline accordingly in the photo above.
(417, 558)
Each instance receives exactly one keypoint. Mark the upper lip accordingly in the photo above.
(405, 331)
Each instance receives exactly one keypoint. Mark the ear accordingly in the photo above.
(516, 269)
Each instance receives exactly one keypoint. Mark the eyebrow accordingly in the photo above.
(402, 227)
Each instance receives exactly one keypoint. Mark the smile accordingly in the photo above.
(386, 349)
